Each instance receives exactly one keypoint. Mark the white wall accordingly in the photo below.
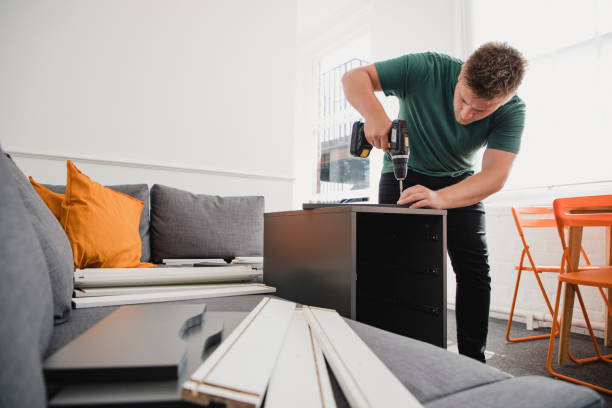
(402, 27)
(204, 86)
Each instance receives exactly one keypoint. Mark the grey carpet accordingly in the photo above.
(529, 357)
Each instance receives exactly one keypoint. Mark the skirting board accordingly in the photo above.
(132, 290)
(246, 289)
(364, 379)
(238, 371)
(105, 277)
(300, 377)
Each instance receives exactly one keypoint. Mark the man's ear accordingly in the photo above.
(460, 73)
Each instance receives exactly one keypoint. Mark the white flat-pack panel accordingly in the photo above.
(364, 379)
(104, 277)
(238, 371)
(300, 377)
(137, 298)
(131, 290)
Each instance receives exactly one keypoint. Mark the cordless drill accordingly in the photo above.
(399, 147)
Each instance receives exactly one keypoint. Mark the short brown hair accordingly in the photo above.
(494, 70)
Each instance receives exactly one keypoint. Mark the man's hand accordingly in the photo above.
(359, 87)
(422, 197)
(377, 132)
(496, 166)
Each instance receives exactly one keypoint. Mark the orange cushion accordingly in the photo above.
(101, 224)
(52, 199)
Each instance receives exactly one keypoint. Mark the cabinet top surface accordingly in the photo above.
(359, 208)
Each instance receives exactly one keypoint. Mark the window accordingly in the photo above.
(338, 171)
(567, 87)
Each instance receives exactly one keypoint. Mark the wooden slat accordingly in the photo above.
(364, 379)
(300, 377)
(238, 371)
(131, 290)
(105, 277)
(168, 296)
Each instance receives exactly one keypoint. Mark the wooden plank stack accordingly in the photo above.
(279, 349)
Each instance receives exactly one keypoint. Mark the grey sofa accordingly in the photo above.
(36, 318)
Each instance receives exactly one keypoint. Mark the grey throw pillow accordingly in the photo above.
(139, 192)
(26, 302)
(187, 225)
(53, 241)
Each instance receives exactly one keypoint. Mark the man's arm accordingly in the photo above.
(496, 165)
(359, 86)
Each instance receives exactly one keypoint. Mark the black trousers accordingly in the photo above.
(467, 249)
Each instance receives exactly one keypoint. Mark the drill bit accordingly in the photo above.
(401, 187)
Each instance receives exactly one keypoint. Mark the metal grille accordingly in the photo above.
(338, 171)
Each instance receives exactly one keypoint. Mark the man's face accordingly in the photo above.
(469, 108)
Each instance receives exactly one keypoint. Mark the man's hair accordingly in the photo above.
(494, 70)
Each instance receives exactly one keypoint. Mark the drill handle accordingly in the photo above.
(360, 147)
(398, 138)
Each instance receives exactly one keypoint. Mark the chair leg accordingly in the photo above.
(518, 279)
(551, 346)
(599, 356)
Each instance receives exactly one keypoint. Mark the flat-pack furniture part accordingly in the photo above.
(169, 296)
(380, 265)
(238, 371)
(300, 377)
(364, 379)
(105, 277)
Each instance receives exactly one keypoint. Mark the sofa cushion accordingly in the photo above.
(53, 241)
(51, 198)
(101, 224)
(138, 191)
(187, 225)
(429, 372)
(529, 391)
(26, 301)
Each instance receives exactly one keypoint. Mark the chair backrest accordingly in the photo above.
(532, 217)
(540, 217)
(589, 211)
(537, 217)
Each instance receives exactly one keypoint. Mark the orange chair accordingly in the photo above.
(533, 217)
(578, 212)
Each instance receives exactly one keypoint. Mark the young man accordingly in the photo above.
(452, 109)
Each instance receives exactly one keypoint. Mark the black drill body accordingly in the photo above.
(399, 147)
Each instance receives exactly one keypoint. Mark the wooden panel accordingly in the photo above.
(238, 371)
(130, 290)
(300, 378)
(164, 296)
(134, 343)
(364, 379)
(104, 277)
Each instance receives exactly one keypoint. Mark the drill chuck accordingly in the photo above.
(400, 166)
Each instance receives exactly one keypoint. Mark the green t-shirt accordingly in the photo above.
(439, 145)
